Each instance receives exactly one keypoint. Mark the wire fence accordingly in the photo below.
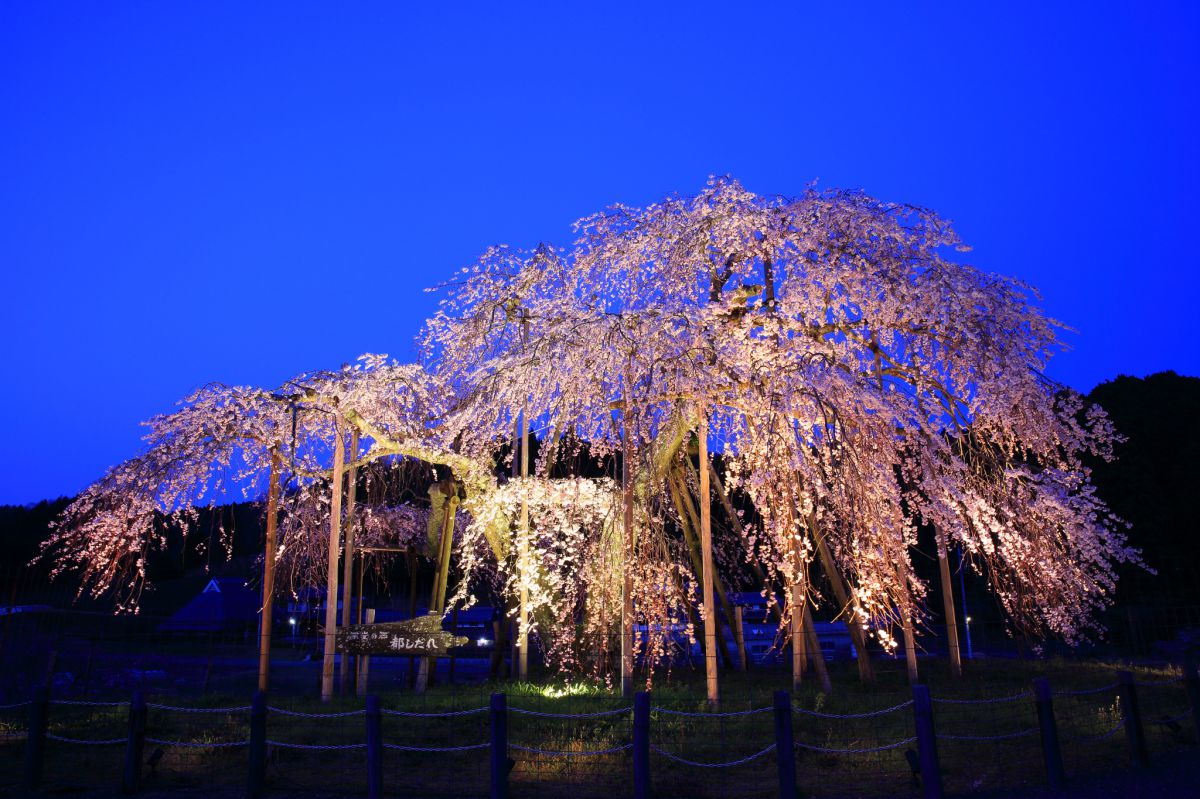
(599, 745)
(549, 743)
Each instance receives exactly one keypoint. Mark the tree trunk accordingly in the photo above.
(268, 586)
(437, 596)
(710, 616)
(335, 546)
(866, 670)
(348, 556)
(683, 506)
(818, 656)
(445, 547)
(736, 522)
(948, 606)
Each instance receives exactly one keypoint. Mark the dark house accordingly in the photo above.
(227, 604)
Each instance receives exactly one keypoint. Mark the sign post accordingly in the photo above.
(422, 636)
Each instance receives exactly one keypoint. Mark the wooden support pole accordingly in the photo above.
(641, 745)
(257, 750)
(335, 548)
(710, 611)
(796, 624)
(267, 617)
(526, 569)
(739, 637)
(689, 521)
(626, 550)
(1051, 749)
(1131, 713)
(927, 754)
(718, 583)
(785, 747)
(374, 717)
(35, 738)
(498, 751)
(358, 602)
(910, 648)
(818, 654)
(948, 605)
(348, 555)
(135, 745)
(526, 565)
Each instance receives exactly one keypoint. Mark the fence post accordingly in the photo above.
(257, 750)
(785, 747)
(1051, 751)
(641, 745)
(931, 770)
(1133, 720)
(499, 749)
(35, 743)
(374, 748)
(131, 778)
(1191, 681)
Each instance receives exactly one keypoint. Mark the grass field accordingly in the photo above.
(1091, 741)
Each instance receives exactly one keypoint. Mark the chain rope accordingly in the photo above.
(597, 714)
(197, 744)
(1171, 720)
(83, 703)
(1101, 737)
(868, 715)
(66, 740)
(583, 753)
(1013, 698)
(286, 712)
(727, 764)
(403, 748)
(443, 715)
(867, 750)
(177, 709)
(1004, 736)
(703, 715)
(316, 747)
(1089, 691)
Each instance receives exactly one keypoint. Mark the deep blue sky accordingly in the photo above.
(195, 192)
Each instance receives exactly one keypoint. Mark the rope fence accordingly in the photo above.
(727, 764)
(1069, 729)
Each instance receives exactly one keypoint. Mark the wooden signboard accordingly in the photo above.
(422, 636)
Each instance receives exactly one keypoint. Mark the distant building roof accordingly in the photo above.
(225, 602)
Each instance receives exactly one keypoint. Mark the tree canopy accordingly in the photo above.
(855, 378)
